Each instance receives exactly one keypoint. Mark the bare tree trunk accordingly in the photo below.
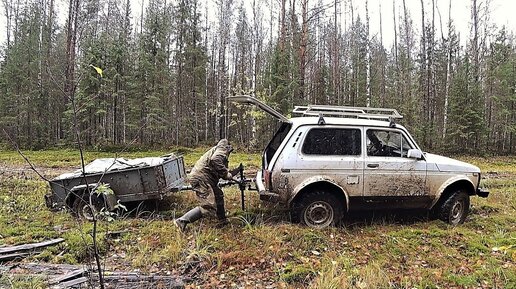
(283, 26)
(407, 32)
(431, 81)
(368, 58)
(395, 32)
(407, 88)
(355, 61)
(448, 73)
(336, 55)
(423, 81)
(383, 56)
(71, 40)
(8, 6)
(303, 42)
(206, 77)
(476, 57)
(270, 43)
(222, 78)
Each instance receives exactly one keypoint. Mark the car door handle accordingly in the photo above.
(373, 165)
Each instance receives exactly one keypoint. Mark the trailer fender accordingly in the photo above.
(79, 191)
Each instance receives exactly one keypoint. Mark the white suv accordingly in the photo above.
(337, 159)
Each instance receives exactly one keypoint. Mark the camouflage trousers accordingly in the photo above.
(210, 197)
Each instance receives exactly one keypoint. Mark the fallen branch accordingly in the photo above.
(26, 247)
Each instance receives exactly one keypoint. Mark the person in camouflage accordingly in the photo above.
(204, 177)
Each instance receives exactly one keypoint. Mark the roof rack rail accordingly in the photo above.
(348, 112)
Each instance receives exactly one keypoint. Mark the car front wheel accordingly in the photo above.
(455, 209)
(318, 209)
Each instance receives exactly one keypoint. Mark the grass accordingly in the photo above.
(261, 247)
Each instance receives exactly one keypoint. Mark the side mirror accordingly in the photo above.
(414, 154)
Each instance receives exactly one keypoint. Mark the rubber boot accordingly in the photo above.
(221, 216)
(190, 217)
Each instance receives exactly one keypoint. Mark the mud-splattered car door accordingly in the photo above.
(325, 153)
(391, 179)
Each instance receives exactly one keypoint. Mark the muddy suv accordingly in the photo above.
(331, 160)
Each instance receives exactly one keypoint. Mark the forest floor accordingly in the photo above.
(261, 248)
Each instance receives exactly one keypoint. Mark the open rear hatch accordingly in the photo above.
(247, 99)
(263, 177)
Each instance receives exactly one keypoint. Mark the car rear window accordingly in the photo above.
(275, 143)
(332, 141)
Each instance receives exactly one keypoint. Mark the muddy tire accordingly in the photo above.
(318, 209)
(82, 210)
(455, 208)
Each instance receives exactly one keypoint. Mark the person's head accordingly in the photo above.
(224, 143)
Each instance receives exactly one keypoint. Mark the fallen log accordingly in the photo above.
(124, 279)
(72, 275)
(27, 247)
(65, 276)
(71, 283)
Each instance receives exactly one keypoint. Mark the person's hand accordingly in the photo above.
(235, 171)
(229, 176)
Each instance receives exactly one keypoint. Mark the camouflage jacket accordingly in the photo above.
(213, 165)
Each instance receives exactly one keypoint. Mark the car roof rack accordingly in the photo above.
(388, 114)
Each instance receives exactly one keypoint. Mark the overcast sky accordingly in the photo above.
(501, 13)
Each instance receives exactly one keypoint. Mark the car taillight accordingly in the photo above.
(267, 178)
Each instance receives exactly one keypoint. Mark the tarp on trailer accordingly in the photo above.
(114, 164)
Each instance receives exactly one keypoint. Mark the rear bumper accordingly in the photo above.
(265, 195)
(482, 193)
(259, 182)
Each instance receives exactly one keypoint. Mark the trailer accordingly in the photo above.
(106, 183)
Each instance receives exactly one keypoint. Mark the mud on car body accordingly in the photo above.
(331, 160)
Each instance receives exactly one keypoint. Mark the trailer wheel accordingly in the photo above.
(83, 210)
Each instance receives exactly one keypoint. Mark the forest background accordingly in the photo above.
(167, 71)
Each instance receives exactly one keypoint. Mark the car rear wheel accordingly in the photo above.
(318, 209)
(455, 208)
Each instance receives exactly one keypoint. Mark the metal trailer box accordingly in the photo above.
(128, 185)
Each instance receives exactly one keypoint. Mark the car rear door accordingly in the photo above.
(330, 152)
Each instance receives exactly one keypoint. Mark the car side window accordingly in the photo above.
(386, 143)
(332, 141)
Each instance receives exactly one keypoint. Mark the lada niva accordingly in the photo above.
(334, 159)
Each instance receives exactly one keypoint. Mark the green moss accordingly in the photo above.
(296, 273)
